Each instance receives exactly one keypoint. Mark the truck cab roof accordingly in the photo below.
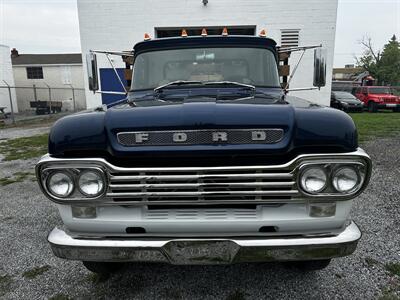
(208, 41)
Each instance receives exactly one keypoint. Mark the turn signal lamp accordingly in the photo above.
(147, 37)
(263, 33)
(184, 33)
(204, 32)
(225, 32)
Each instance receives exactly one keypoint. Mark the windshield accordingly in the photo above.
(382, 90)
(252, 66)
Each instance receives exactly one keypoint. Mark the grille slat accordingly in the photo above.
(198, 185)
(213, 194)
(202, 176)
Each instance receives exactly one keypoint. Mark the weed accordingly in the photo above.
(33, 273)
(17, 177)
(5, 284)
(371, 262)
(60, 297)
(393, 268)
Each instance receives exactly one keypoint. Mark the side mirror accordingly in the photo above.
(320, 67)
(93, 77)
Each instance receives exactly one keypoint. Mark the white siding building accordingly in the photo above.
(118, 25)
(6, 77)
(34, 73)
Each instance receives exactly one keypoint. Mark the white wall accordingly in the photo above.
(6, 73)
(59, 76)
(118, 25)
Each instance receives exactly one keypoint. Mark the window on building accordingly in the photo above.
(34, 72)
(290, 38)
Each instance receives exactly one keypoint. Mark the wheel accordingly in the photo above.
(103, 268)
(372, 107)
(310, 265)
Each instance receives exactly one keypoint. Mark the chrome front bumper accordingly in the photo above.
(205, 251)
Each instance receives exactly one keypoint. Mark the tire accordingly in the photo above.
(103, 268)
(372, 107)
(310, 265)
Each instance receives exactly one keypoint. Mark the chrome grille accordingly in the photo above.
(201, 137)
(203, 186)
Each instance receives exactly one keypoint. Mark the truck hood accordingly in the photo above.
(307, 128)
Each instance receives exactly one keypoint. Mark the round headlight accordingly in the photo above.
(345, 179)
(60, 184)
(91, 183)
(313, 180)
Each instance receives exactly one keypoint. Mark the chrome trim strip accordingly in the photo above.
(203, 176)
(212, 194)
(205, 251)
(76, 162)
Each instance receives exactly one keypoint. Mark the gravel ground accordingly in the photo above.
(26, 217)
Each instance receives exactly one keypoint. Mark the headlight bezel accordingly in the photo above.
(331, 168)
(74, 172)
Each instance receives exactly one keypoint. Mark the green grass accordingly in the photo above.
(24, 148)
(60, 297)
(33, 273)
(5, 284)
(376, 125)
(16, 177)
(393, 268)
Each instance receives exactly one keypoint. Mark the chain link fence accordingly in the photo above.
(39, 99)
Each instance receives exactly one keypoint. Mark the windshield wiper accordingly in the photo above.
(178, 83)
(234, 83)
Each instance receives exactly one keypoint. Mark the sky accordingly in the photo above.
(51, 26)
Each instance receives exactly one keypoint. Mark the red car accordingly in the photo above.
(377, 97)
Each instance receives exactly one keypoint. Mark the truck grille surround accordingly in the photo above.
(189, 186)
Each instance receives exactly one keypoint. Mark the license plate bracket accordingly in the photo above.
(201, 252)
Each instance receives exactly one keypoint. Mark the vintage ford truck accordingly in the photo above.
(207, 161)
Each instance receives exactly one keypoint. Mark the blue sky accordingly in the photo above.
(51, 26)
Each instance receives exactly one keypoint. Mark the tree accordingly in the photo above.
(383, 65)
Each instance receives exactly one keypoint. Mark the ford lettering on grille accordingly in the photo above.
(201, 137)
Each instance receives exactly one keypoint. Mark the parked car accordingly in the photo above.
(377, 97)
(346, 102)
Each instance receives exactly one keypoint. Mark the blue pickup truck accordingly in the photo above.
(208, 160)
